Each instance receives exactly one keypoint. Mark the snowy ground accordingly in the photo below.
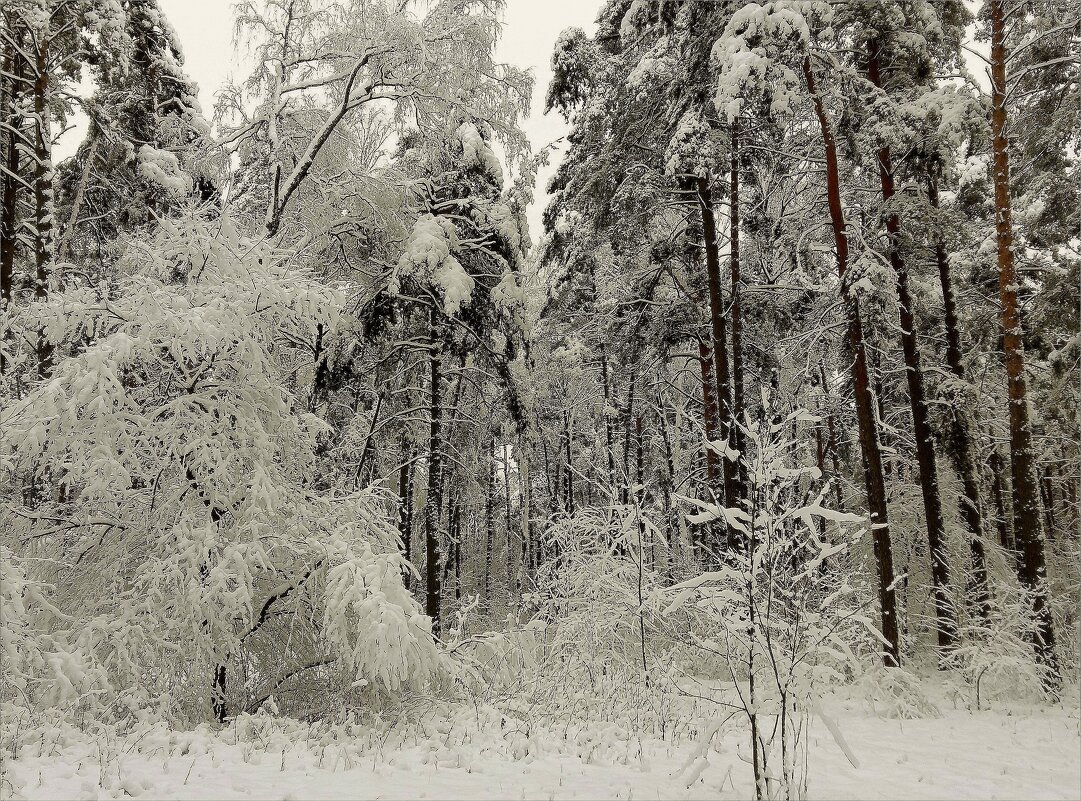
(1031, 752)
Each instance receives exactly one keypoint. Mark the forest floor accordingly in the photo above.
(1020, 751)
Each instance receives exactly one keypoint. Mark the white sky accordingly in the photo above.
(205, 30)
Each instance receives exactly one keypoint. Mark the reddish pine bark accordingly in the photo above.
(1026, 500)
(966, 454)
(865, 413)
(921, 427)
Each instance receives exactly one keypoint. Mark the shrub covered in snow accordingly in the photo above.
(994, 657)
(778, 610)
(173, 546)
(600, 596)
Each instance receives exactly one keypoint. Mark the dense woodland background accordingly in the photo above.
(295, 405)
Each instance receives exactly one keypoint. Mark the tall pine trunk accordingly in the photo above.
(609, 437)
(433, 502)
(43, 191)
(718, 335)
(529, 564)
(921, 425)
(568, 473)
(967, 462)
(489, 519)
(512, 573)
(870, 447)
(43, 173)
(9, 93)
(406, 475)
(736, 310)
(709, 412)
(628, 416)
(1026, 499)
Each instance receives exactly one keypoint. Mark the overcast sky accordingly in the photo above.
(205, 30)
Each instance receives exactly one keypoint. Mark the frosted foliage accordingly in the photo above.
(691, 150)
(754, 55)
(186, 494)
(37, 655)
(429, 254)
(653, 70)
(105, 21)
(369, 615)
(163, 168)
(321, 476)
(636, 18)
(506, 224)
(566, 52)
(974, 170)
(372, 60)
(477, 153)
(508, 293)
(429, 244)
(779, 609)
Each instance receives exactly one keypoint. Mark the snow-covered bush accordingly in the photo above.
(893, 692)
(779, 610)
(994, 655)
(595, 647)
(39, 655)
(165, 520)
(600, 597)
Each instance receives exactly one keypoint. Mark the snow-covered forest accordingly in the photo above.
(751, 471)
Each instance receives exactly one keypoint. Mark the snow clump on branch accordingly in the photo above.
(476, 153)
(430, 250)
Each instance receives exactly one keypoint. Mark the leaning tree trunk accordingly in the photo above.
(64, 244)
(921, 425)
(967, 463)
(1026, 499)
(865, 412)
(433, 503)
